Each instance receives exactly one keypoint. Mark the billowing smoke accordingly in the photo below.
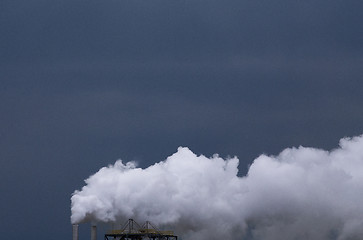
(303, 193)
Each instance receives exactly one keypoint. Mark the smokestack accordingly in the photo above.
(75, 231)
(94, 232)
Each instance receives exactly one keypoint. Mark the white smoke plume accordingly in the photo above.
(303, 193)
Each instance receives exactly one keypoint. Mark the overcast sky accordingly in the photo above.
(87, 82)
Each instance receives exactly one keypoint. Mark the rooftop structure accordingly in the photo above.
(133, 231)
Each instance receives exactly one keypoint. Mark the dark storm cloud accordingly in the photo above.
(84, 83)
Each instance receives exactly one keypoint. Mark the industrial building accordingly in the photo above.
(131, 231)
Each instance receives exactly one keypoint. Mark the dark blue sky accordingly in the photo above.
(84, 83)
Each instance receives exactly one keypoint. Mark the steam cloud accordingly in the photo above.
(303, 193)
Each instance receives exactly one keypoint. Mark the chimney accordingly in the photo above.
(93, 232)
(75, 231)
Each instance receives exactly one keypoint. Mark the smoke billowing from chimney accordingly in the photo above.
(303, 193)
